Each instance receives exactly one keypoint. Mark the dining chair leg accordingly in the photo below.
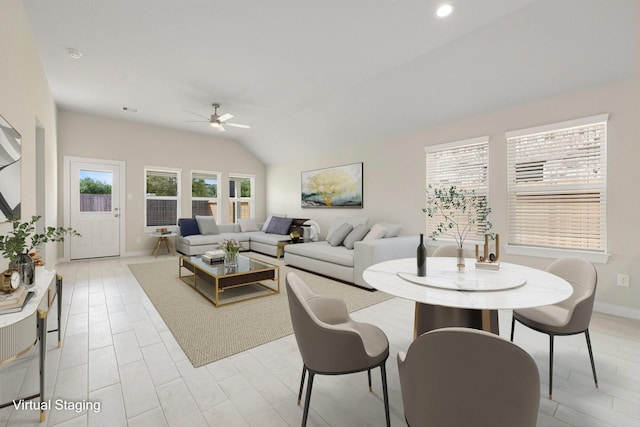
(304, 372)
(593, 365)
(550, 365)
(513, 325)
(307, 399)
(369, 376)
(385, 393)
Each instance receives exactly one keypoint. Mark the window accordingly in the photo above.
(162, 199)
(557, 185)
(463, 164)
(241, 197)
(205, 194)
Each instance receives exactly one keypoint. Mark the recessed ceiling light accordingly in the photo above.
(444, 10)
(74, 53)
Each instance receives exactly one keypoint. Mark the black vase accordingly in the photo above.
(27, 268)
(421, 258)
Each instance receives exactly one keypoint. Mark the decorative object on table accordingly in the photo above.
(295, 236)
(23, 239)
(10, 281)
(458, 213)
(422, 258)
(10, 178)
(231, 247)
(335, 187)
(212, 257)
(488, 260)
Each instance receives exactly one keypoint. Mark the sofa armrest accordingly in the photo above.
(370, 252)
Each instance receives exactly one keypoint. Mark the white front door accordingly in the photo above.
(94, 211)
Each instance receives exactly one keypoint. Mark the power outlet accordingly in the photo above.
(623, 280)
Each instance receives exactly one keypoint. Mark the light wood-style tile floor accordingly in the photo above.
(118, 351)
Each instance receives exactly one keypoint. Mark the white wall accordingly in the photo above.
(26, 103)
(394, 178)
(140, 145)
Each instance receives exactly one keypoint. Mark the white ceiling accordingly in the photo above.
(317, 75)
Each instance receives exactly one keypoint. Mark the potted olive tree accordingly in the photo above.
(19, 242)
(457, 213)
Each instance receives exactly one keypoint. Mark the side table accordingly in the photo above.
(283, 243)
(163, 239)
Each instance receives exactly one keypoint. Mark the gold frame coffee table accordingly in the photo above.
(210, 280)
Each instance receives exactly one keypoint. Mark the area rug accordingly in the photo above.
(207, 333)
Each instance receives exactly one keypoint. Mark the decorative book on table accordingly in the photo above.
(14, 302)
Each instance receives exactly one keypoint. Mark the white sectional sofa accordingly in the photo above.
(347, 260)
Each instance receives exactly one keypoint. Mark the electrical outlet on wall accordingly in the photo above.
(623, 280)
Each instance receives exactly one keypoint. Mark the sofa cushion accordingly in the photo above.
(248, 225)
(188, 226)
(377, 232)
(266, 223)
(338, 235)
(323, 251)
(352, 220)
(267, 238)
(207, 224)
(355, 235)
(393, 230)
(279, 225)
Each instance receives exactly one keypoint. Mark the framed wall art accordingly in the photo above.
(10, 180)
(335, 187)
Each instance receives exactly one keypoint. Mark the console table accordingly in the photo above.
(21, 331)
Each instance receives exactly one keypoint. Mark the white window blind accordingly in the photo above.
(463, 164)
(557, 185)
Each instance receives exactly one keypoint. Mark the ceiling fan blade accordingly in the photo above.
(238, 125)
(225, 117)
(196, 114)
(221, 128)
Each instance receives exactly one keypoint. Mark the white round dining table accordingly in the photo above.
(475, 290)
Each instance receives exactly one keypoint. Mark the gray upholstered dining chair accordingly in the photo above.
(446, 251)
(460, 377)
(330, 342)
(569, 317)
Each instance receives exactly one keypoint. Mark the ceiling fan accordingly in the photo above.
(216, 121)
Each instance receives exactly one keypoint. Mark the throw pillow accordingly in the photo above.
(279, 225)
(266, 223)
(188, 226)
(352, 220)
(376, 232)
(339, 234)
(393, 230)
(356, 235)
(248, 225)
(207, 224)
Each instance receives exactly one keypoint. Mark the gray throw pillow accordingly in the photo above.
(207, 224)
(337, 237)
(279, 225)
(355, 235)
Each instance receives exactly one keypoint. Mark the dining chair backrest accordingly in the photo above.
(466, 377)
(445, 251)
(583, 277)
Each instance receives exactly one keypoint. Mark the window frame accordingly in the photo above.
(236, 200)
(177, 198)
(218, 198)
(538, 185)
(480, 191)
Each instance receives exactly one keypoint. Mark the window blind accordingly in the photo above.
(463, 164)
(556, 187)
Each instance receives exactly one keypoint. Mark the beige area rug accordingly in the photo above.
(207, 333)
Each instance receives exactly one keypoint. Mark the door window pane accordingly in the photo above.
(95, 191)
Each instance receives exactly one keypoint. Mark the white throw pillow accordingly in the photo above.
(376, 232)
(351, 220)
(393, 230)
(248, 225)
(339, 234)
(357, 234)
(207, 224)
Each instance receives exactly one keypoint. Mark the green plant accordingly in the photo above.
(23, 238)
(457, 212)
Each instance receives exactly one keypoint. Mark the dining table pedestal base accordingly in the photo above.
(429, 317)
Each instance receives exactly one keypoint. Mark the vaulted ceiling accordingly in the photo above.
(316, 75)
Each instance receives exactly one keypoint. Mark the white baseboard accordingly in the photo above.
(617, 310)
